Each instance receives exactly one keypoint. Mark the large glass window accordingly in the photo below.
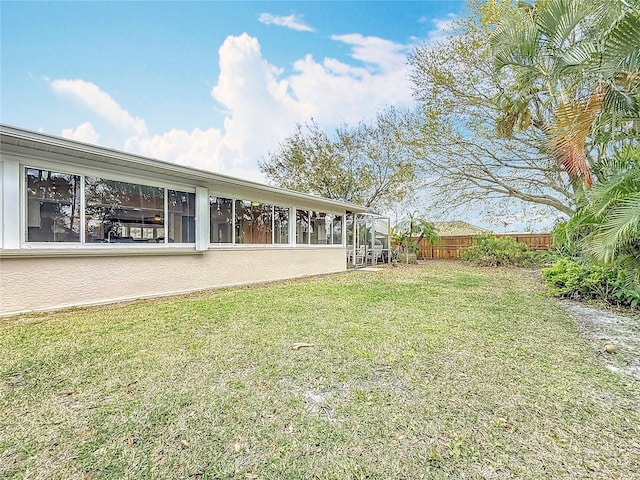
(221, 224)
(53, 206)
(302, 227)
(253, 222)
(182, 217)
(337, 230)
(320, 229)
(349, 229)
(280, 225)
(123, 212)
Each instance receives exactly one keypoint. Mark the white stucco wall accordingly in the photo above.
(51, 282)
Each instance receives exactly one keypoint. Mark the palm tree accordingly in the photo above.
(575, 71)
(414, 226)
(614, 207)
(575, 66)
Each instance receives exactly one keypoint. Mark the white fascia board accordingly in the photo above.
(25, 139)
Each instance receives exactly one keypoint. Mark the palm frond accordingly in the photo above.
(568, 134)
(625, 158)
(621, 101)
(627, 182)
(559, 19)
(622, 46)
(622, 226)
(578, 54)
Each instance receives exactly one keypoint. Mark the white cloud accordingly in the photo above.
(445, 24)
(100, 103)
(262, 111)
(198, 149)
(387, 55)
(292, 21)
(262, 104)
(334, 92)
(443, 28)
(83, 133)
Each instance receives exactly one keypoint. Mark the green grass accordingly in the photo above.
(436, 371)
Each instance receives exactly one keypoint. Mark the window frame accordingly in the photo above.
(329, 215)
(273, 228)
(24, 209)
(82, 173)
(58, 166)
(233, 220)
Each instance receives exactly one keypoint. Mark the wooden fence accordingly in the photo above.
(454, 246)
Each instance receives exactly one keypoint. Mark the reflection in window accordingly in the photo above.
(221, 212)
(53, 206)
(302, 227)
(382, 232)
(182, 217)
(280, 225)
(349, 227)
(122, 212)
(320, 229)
(253, 222)
(337, 230)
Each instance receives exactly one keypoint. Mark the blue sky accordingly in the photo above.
(214, 85)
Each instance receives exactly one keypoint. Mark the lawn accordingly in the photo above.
(433, 371)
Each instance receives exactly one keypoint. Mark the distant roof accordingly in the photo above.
(458, 228)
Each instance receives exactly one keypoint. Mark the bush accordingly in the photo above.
(572, 279)
(489, 251)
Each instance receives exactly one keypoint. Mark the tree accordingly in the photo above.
(607, 224)
(414, 226)
(366, 164)
(575, 69)
(574, 75)
(455, 132)
(616, 207)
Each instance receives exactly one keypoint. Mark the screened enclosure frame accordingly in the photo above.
(372, 239)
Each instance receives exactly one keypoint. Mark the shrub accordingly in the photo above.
(572, 279)
(489, 251)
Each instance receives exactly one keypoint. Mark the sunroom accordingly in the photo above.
(83, 224)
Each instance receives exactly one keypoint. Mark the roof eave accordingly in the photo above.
(189, 173)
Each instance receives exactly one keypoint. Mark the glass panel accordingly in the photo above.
(281, 225)
(122, 212)
(53, 206)
(382, 232)
(337, 230)
(253, 222)
(182, 217)
(349, 226)
(320, 229)
(302, 227)
(221, 212)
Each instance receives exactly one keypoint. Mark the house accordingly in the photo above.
(457, 228)
(83, 225)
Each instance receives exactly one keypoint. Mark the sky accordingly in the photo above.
(214, 85)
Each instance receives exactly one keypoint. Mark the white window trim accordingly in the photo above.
(44, 163)
(14, 211)
(69, 170)
(201, 213)
(273, 225)
(11, 203)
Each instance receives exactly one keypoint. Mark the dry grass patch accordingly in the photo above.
(434, 371)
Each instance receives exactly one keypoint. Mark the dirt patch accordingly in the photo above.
(616, 338)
